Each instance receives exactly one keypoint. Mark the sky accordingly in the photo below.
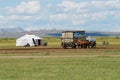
(93, 15)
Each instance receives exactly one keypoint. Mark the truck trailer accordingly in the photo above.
(76, 39)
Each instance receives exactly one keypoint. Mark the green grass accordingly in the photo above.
(52, 41)
(99, 68)
(111, 40)
(102, 67)
(7, 42)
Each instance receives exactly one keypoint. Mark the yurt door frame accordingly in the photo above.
(39, 42)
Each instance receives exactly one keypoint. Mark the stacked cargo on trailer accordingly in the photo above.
(74, 39)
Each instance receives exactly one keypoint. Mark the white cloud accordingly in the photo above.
(116, 15)
(111, 4)
(32, 28)
(116, 28)
(98, 16)
(78, 22)
(63, 13)
(86, 12)
(58, 17)
(67, 5)
(79, 19)
(15, 20)
(105, 15)
(2, 20)
(114, 4)
(80, 7)
(30, 7)
(16, 17)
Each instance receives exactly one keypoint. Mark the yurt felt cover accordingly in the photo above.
(26, 39)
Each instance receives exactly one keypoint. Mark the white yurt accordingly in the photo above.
(29, 40)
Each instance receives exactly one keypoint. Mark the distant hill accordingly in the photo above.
(18, 32)
(102, 33)
(92, 33)
(11, 30)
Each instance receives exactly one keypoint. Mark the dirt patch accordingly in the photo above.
(51, 49)
(45, 52)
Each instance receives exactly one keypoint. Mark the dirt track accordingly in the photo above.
(57, 48)
(51, 49)
(29, 50)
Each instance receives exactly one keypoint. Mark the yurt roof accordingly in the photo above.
(29, 37)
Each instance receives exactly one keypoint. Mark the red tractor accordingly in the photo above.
(76, 39)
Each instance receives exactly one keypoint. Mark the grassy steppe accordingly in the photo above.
(101, 67)
(7, 42)
(111, 40)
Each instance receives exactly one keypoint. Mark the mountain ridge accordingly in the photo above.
(11, 30)
(18, 32)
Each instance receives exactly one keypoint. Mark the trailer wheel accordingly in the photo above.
(79, 46)
(64, 46)
(73, 45)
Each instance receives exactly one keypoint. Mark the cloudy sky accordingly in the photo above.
(95, 15)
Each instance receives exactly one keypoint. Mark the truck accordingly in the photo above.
(76, 39)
